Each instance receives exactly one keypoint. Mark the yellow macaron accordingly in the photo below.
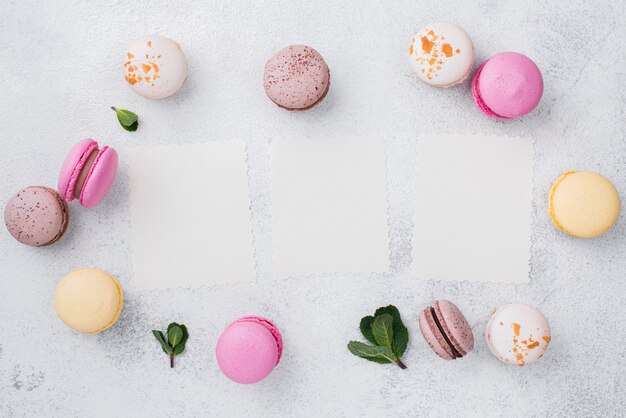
(88, 300)
(583, 204)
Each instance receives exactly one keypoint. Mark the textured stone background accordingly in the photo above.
(60, 72)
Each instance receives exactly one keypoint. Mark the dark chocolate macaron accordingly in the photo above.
(296, 78)
(446, 330)
(36, 216)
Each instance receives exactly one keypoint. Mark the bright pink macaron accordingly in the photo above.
(88, 173)
(446, 330)
(508, 85)
(249, 349)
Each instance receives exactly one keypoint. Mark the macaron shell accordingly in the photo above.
(518, 333)
(433, 336)
(246, 352)
(88, 300)
(442, 54)
(36, 216)
(73, 165)
(455, 325)
(100, 177)
(509, 84)
(296, 78)
(583, 204)
(155, 67)
(270, 327)
(478, 100)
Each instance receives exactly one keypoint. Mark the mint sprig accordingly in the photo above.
(128, 119)
(174, 344)
(388, 335)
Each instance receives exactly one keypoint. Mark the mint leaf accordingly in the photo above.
(164, 345)
(400, 333)
(174, 335)
(382, 355)
(128, 119)
(382, 328)
(180, 347)
(366, 329)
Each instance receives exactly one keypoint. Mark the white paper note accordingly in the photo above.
(473, 205)
(329, 206)
(190, 215)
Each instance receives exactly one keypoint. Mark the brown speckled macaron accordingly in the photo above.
(296, 78)
(446, 330)
(36, 216)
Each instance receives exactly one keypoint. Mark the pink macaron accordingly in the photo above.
(88, 173)
(296, 78)
(37, 216)
(446, 330)
(508, 85)
(249, 349)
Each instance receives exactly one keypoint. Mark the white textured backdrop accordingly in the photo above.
(60, 72)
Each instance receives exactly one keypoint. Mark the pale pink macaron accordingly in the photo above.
(446, 330)
(508, 85)
(249, 349)
(88, 173)
(296, 78)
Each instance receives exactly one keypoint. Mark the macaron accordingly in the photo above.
(155, 67)
(518, 333)
(37, 216)
(583, 204)
(446, 330)
(507, 86)
(296, 78)
(442, 54)
(249, 349)
(87, 173)
(88, 300)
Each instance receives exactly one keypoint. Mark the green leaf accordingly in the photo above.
(128, 119)
(382, 328)
(400, 333)
(174, 335)
(180, 347)
(378, 354)
(164, 345)
(366, 329)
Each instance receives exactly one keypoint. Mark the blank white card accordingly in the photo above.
(329, 206)
(473, 202)
(190, 214)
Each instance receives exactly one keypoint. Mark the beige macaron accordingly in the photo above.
(583, 204)
(88, 300)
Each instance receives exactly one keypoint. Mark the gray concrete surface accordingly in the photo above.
(59, 73)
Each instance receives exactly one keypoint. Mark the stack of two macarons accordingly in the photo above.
(506, 86)
(39, 215)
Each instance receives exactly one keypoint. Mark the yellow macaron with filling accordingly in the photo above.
(88, 300)
(583, 204)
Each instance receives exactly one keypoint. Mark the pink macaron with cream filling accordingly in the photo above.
(88, 173)
(507, 86)
(249, 349)
(446, 330)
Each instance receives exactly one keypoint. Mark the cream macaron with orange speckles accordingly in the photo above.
(88, 300)
(518, 333)
(442, 54)
(155, 67)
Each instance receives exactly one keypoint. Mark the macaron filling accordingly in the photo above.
(455, 353)
(84, 172)
(89, 167)
(72, 189)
